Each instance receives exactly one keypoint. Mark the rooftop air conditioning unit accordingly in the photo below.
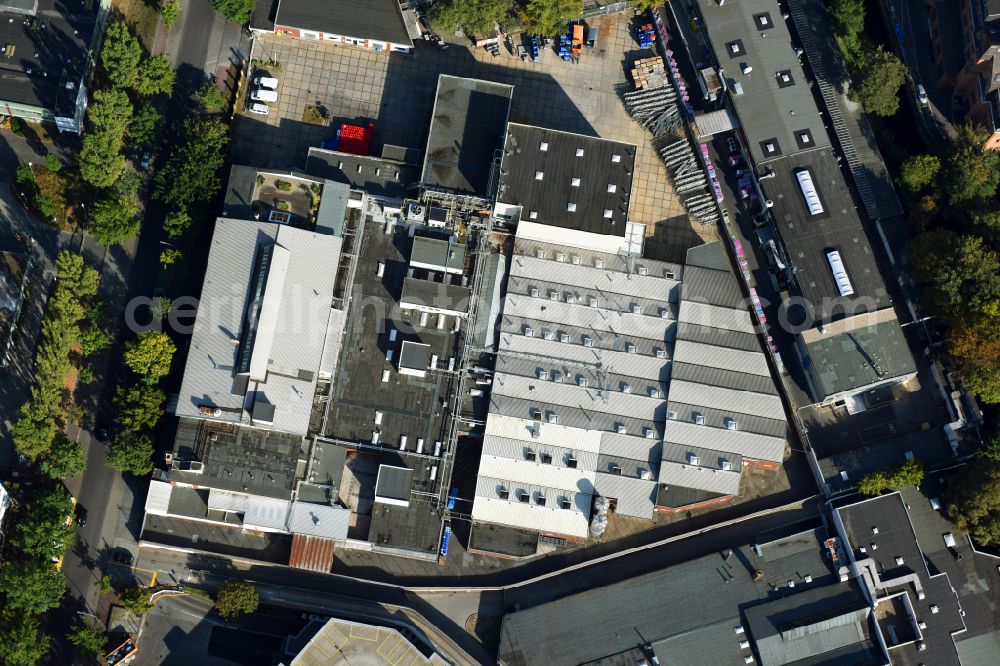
(543, 375)
(528, 331)
(630, 348)
(571, 462)
(654, 393)
(664, 313)
(592, 301)
(693, 459)
(616, 469)
(641, 270)
(553, 295)
(560, 256)
(553, 417)
(626, 388)
(557, 376)
(699, 419)
(502, 492)
(670, 275)
(533, 292)
(539, 254)
(649, 433)
(581, 381)
(575, 258)
(540, 499)
(660, 353)
(571, 298)
(598, 263)
(529, 454)
(548, 335)
(731, 424)
(546, 458)
(536, 414)
(726, 465)
(588, 341)
(564, 503)
(522, 495)
(621, 429)
(636, 308)
(671, 415)
(564, 337)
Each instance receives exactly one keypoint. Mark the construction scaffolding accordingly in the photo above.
(689, 178)
(656, 109)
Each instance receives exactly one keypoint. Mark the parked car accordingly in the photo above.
(122, 557)
(591, 38)
(262, 109)
(921, 95)
(81, 515)
(264, 95)
(268, 82)
(146, 159)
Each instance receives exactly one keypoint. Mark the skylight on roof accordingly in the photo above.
(612, 187)
(539, 175)
(616, 158)
(571, 207)
(533, 215)
(608, 213)
(544, 145)
(575, 182)
(579, 152)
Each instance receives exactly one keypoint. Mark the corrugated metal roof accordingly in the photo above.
(716, 418)
(574, 417)
(738, 381)
(680, 453)
(594, 298)
(612, 261)
(533, 473)
(224, 500)
(571, 522)
(319, 520)
(589, 278)
(710, 479)
(568, 372)
(312, 554)
(704, 314)
(514, 449)
(628, 405)
(600, 340)
(624, 324)
(514, 428)
(636, 497)
(718, 357)
(713, 287)
(718, 337)
(630, 468)
(634, 365)
(267, 513)
(630, 446)
(747, 444)
(437, 254)
(331, 348)
(739, 402)
(158, 498)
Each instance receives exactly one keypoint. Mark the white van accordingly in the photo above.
(264, 96)
(266, 82)
(262, 109)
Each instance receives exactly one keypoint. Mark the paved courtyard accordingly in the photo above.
(396, 92)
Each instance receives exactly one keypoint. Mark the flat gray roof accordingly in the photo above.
(451, 297)
(375, 175)
(776, 109)
(467, 128)
(394, 483)
(380, 20)
(437, 254)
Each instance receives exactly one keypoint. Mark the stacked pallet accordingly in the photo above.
(649, 73)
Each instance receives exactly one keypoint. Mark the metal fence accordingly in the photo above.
(596, 8)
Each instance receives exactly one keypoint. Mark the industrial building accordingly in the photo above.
(852, 342)
(46, 48)
(377, 25)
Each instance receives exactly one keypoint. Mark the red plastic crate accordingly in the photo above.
(355, 139)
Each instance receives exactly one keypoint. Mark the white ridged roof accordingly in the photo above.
(548, 395)
(572, 522)
(746, 444)
(624, 324)
(513, 428)
(593, 279)
(636, 497)
(537, 474)
(712, 480)
(703, 314)
(619, 362)
(225, 500)
(738, 360)
(513, 449)
(739, 402)
(267, 513)
(158, 498)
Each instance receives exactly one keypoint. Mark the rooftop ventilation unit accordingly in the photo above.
(553, 417)
(564, 503)
(660, 353)
(588, 341)
(539, 254)
(630, 348)
(654, 393)
(809, 192)
(536, 414)
(726, 465)
(522, 495)
(528, 331)
(564, 337)
(553, 295)
(730, 424)
(592, 301)
(671, 415)
(561, 257)
(699, 419)
(670, 275)
(626, 388)
(621, 429)
(648, 433)
(543, 375)
(503, 493)
(616, 469)
(571, 298)
(572, 462)
(636, 308)
(598, 263)
(540, 499)
(693, 459)
(548, 335)
(581, 381)
(546, 458)
(557, 376)
(839, 273)
(641, 270)
(575, 258)
(533, 292)
(529, 454)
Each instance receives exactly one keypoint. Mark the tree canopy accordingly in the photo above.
(101, 162)
(86, 639)
(176, 223)
(970, 174)
(550, 17)
(848, 18)
(909, 473)
(960, 274)
(31, 587)
(919, 172)
(876, 81)
(145, 127)
(149, 355)
(191, 173)
(135, 599)
(65, 459)
(237, 11)
(22, 642)
(236, 598)
(170, 11)
(41, 529)
(974, 501)
(120, 54)
(115, 220)
(473, 17)
(139, 407)
(155, 76)
(131, 452)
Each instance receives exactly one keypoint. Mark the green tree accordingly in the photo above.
(41, 531)
(237, 11)
(910, 473)
(145, 127)
(53, 163)
(128, 184)
(86, 639)
(93, 340)
(149, 355)
(139, 407)
(101, 162)
(873, 483)
(550, 17)
(236, 598)
(210, 97)
(176, 223)
(115, 220)
(135, 599)
(974, 501)
(65, 459)
(960, 274)
(155, 76)
(34, 430)
(848, 18)
(170, 11)
(32, 587)
(169, 256)
(103, 584)
(474, 17)
(44, 206)
(877, 80)
(919, 172)
(24, 174)
(984, 381)
(970, 174)
(120, 54)
(22, 642)
(191, 173)
(17, 126)
(131, 452)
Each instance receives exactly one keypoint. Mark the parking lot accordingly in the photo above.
(396, 92)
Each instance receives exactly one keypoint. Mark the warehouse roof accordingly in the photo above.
(437, 254)
(380, 20)
(567, 180)
(859, 351)
(467, 128)
(701, 598)
(423, 294)
(766, 81)
(261, 326)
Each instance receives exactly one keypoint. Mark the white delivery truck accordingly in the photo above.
(264, 96)
(266, 82)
